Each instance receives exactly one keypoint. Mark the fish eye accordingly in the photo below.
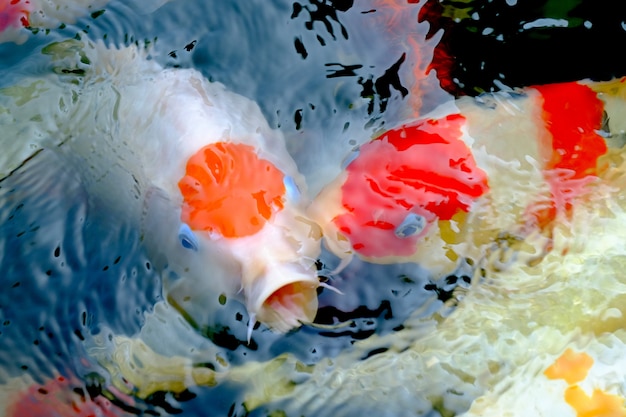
(187, 238)
(291, 188)
(354, 154)
(413, 224)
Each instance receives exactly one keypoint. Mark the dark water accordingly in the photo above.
(521, 43)
(322, 72)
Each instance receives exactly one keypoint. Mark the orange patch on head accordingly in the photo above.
(228, 189)
(570, 366)
(600, 404)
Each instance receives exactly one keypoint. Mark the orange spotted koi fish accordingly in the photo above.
(512, 162)
(236, 197)
(581, 382)
(218, 199)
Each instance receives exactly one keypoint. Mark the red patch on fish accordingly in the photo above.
(228, 189)
(14, 13)
(571, 146)
(59, 397)
(573, 115)
(424, 168)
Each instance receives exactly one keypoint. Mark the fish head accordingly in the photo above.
(395, 194)
(250, 211)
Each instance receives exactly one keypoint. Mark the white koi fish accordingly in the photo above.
(219, 200)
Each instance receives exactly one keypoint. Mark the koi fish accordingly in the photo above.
(219, 201)
(13, 14)
(233, 196)
(441, 188)
(18, 15)
(58, 396)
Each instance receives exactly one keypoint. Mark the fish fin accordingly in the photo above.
(325, 285)
(251, 323)
(345, 261)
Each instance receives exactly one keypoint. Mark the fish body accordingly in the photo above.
(444, 187)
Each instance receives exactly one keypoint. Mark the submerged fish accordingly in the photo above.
(219, 201)
(448, 186)
(18, 17)
(580, 382)
(58, 396)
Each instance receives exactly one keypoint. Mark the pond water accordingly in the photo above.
(88, 326)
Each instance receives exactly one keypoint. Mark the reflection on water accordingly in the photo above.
(479, 291)
(68, 270)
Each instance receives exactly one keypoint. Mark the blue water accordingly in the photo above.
(71, 271)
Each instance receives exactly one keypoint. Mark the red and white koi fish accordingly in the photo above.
(57, 396)
(220, 201)
(18, 15)
(441, 187)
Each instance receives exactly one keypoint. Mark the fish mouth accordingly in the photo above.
(284, 297)
(290, 306)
